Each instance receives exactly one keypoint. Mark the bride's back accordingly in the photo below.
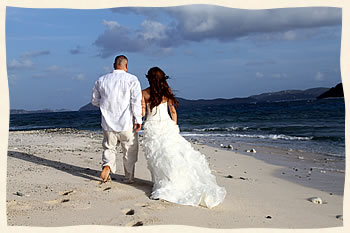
(158, 113)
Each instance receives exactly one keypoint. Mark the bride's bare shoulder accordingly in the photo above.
(146, 93)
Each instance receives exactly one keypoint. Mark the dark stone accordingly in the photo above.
(139, 223)
(130, 212)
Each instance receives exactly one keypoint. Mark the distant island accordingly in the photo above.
(22, 111)
(336, 91)
(287, 95)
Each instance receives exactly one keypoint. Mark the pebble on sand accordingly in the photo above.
(251, 150)
(340, 217)
(130, 212)
(139, 223)
(19, 194)
(316, 200)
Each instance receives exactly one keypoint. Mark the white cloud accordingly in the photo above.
(35, 53)
(79, 77)
(117, 38)
(189, 52)
(22, 64)
(64, 90)
(259, 74)
(12, 79)
(76, 50)
(280, 75)
(111, 24)
(319, 76)
(52, 68)
(107, 69)
(39, 75)
(153, 30)
(202, 22)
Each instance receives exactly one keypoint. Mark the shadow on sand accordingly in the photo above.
(82, 172)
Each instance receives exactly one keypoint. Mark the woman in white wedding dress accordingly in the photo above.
(180, 173)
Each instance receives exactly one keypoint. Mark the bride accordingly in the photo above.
(180, 173)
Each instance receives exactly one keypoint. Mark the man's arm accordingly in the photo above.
(95, 97)
(136, 97)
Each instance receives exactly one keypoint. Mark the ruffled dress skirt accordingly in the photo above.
(179, 172)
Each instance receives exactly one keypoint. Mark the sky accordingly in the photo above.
(54, 56)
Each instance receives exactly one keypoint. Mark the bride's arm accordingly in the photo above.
(172, 111)
(143, 103)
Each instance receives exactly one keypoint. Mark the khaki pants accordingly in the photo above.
(129, 141)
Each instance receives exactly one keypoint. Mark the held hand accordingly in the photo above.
(137, 127)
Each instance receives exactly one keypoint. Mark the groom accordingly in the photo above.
(118, 94)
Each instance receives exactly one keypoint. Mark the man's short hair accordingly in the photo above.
(120, 60)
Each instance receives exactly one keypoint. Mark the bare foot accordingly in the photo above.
(128, 181)
(105, 173)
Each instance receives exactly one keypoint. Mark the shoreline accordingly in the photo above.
(54, 174)
(310, 164)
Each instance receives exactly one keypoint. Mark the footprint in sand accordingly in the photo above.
(15, 205)
(65, 193)
(52, 202)
(134, 224)
(141, 204)
(128, 211)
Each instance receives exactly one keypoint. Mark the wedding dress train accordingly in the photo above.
(179, 172)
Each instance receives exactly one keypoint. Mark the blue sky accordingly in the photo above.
(54, 56)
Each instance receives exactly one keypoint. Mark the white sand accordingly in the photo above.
(53, 180)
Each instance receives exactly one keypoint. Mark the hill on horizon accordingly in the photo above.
(286, 95)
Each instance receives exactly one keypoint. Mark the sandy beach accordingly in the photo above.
(53, 180)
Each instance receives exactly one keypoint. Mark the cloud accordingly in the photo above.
(189, 52)
(279, 75)
(64, 90)
(319, 76)
(35, 54)
(170, 27)
(52, 68)
(76, 50)
(152, 30)
(24, 61)
(22, 64)
(79, 77)
(117, 38)
(259, 74)
(107, 69)
(12, 79)
(259, 63)
(200, 23)
(111, 24)
(41, 75)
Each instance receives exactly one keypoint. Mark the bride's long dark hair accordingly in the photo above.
(159, 87)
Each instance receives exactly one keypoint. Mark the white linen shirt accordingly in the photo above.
(118, 94)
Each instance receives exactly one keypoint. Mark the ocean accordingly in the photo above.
(308, 125)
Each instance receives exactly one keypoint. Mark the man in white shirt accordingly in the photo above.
(118, 94)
